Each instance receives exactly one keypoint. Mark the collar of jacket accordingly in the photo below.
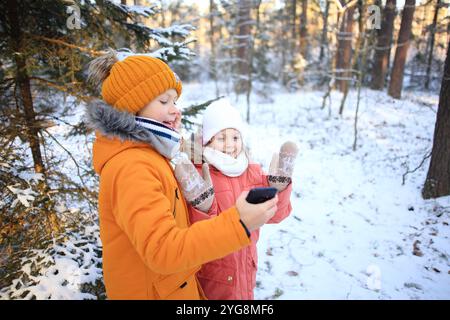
(113, 123)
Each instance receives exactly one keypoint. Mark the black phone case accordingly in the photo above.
(259, 195)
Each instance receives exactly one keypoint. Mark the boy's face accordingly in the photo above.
(163, 109)
(228, 141)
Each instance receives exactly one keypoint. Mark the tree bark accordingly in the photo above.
(404, 37)
(212, 40)
(432, 38)
(294, 21)
(304, 30)
(324, 38)
(383, 48)
(437, 183)
(243, 44)
(16, 43)
(250, 69)
(292, 42)
(23, 82)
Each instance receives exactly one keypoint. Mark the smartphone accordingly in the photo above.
(259, 195)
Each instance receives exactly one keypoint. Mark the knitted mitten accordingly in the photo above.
(282, 166)
(197, 190)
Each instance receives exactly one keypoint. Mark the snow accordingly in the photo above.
(177, 29)
(63, 269)
(353, 225)
(23, 196)
(145, 11)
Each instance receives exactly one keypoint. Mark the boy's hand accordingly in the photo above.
(282, 166)
(196, 189)
(255, 215)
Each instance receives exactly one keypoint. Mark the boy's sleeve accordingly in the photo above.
(142, 211)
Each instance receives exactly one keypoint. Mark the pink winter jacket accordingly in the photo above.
(234, 276)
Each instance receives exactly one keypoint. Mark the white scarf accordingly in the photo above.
(226, 164)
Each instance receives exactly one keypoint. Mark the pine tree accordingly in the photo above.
(44, 48)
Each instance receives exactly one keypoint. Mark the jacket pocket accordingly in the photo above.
(178, 286)
(218, 272)
(218, 281)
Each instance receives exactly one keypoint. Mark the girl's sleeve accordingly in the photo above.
(196, 215)
(144, 214)
(284, 205)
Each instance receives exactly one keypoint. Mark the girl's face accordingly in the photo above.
(228, 141)
(163, 109)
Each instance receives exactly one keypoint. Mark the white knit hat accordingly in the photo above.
(221, 115)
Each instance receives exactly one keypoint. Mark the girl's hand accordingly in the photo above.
(197, 190)
(282, 166)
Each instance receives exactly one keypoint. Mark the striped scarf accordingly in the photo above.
(165, 140)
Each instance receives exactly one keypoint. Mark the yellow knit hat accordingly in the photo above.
(135, 81)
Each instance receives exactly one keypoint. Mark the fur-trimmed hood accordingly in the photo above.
(113, 123)
(116, 131)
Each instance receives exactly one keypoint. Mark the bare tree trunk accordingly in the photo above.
(344, 51)
(294, 21)
(383, 48)
(250, 69)
(324, 38)
(212, 61)
(437, 183)
(243, 44)
(404, 36)
(304, 30)
(432, 38)
(293, 40)
(359, 44)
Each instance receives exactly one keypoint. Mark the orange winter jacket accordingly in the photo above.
(150, 251)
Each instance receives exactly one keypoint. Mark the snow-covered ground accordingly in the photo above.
(355, 232)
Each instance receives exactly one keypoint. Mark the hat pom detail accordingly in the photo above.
(100, 67)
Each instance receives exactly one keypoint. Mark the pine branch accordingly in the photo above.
(70, 45)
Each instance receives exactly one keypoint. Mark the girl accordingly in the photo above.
(150, 250)
(230, 172)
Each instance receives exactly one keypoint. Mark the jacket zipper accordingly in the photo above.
(175, 203)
